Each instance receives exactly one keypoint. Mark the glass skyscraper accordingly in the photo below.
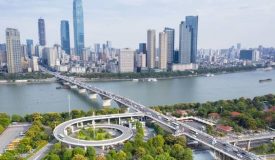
(41, 32)
(188, 40)
(29, 47)
(65, 36)
(78, 27)
(171, 44)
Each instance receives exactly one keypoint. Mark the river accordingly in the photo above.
(28, 98)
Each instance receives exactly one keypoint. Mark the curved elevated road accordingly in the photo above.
(126, 132)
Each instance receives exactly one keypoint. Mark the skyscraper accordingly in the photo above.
(65, 36)
(142, 48)
(185, 44)
(78, 26)
(188, 40)
(171, 44)
(41, 32)
(163, 45)
(13, 50)
(151, 48)
(30, 47)
(126, 60)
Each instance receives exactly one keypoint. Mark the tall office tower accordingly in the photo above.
(24, 51)
(163, 45)
(34, 64)
(65, 36)
(142, 48)
(126, 60)
(51, 56)
(151, 48)
(188, 40)
(3, 54)
(171, 44)
(13, 50)
(30, 48)
(78, 27)
(41, 32)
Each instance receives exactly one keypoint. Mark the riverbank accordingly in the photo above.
(193, 74)
(28, 81)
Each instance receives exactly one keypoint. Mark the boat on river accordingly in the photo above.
(265, 80)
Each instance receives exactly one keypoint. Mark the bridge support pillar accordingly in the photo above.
(85, 148)
(66, 83)
(107, 102)
(70, 146)
(103, 147)
(93, 96)
(119, 121)
(109, 121)
(80, 125)
(65, 132)
(235, 143)
(72, 129)
(81, 90)
(248, 145)
(73, 87)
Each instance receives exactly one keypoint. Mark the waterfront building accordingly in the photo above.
(34, 64)
(86, 54)
(51, 54)
(3, 54)
(250, 55)
(163, 45)
(65, 36)
(171, 44)
(30, 48)
(42, 32)
(126, 60)
(184, 67)
(141, 60)
(13, 47)
(38, 51)
(188, 40)
(151, 48)
(24, 53)
(78, 26)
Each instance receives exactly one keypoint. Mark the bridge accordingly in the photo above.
(222, 149)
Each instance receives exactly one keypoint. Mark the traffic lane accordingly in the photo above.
(42, 152)
(10, 134)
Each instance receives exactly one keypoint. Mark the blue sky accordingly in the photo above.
(222, 23)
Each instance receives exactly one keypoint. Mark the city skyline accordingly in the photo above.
(101, 20)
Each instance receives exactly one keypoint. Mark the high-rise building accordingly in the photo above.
(126, 60)
(250, 55)
(78, 26)
(171, 44)
(42, 32)
(30, 48)
(65, 36)
(51, 54)
(24, 51)
(13, 50)
(163, 45)
(188, 40)
(142, 48)
(3, 54)
(34, 64)
(151, 48)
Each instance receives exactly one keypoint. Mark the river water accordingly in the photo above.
(28, 98)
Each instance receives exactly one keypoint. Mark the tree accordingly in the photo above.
(53, 157)
(140, 152)
(147, 157)
(91, 153)
(17, 118)
(79, 151)
(68, 154)
(121, 156)
(79, 157)
(158, 141)
(100, 157)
